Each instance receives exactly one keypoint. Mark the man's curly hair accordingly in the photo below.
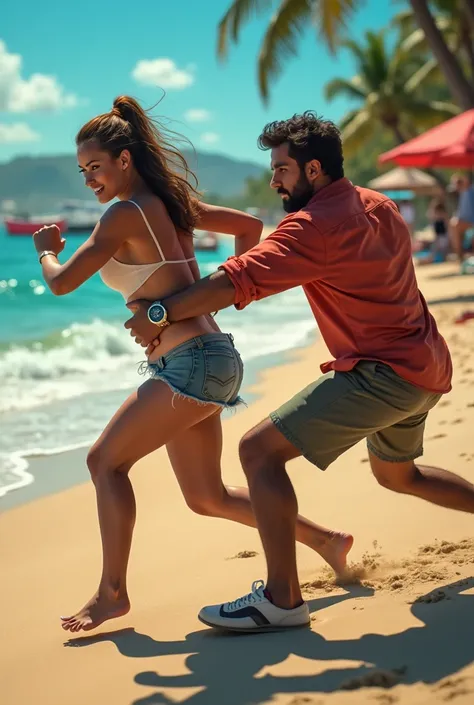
(309, 137)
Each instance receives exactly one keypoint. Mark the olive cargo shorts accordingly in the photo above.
(341, 408)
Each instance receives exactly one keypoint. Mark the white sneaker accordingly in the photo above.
(254, 613)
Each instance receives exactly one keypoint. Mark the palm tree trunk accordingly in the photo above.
(461, 88)
(469, 8)
(468, 33)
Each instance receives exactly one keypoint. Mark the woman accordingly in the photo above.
(143, 247)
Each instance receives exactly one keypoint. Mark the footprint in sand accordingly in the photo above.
(375, 679)
(386, 699)
(243, 554)
(451, 688)
(470, 405)
(433, 597)
(446, 402)
(436, 436)
(454, 421)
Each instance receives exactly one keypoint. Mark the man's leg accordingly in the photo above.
(264, 451)
(321, 422)
(432, 484)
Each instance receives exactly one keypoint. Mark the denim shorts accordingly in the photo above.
(207, 369)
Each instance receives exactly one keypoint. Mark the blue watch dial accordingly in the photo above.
(157, 313)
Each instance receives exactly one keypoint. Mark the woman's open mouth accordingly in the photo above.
(98, 190)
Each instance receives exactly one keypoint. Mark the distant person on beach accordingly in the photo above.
(143, 248)
(463, 219)
(439, 247)
(350, 250)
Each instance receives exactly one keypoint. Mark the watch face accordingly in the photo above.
(156, 313)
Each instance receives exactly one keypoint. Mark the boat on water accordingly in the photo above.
(81, 216)
(204, 240)
(28, 226)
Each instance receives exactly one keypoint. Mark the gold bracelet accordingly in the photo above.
(46, 252)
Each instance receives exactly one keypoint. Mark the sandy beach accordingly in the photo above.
(403, 635)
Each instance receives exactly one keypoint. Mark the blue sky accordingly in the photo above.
(62, 64)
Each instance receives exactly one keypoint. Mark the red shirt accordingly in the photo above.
(350, 250)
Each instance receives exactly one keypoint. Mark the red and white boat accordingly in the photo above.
(28, 226)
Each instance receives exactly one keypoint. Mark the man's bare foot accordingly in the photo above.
(99, 608)
(335, 552)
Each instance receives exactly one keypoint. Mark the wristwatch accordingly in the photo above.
(158, 315)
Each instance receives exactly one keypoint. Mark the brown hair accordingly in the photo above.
(127, 126)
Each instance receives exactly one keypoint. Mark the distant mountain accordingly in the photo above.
(37, 184)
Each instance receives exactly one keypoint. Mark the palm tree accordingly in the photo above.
(454, 22)
(331, 18)
(461, 88)
(392, 90)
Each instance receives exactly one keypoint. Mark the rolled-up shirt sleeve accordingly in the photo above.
(291, 256)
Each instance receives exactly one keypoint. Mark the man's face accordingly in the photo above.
(289, 180)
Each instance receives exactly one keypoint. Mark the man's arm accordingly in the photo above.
(213, 293)
(292, 256)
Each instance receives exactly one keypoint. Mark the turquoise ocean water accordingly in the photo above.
(66, 363)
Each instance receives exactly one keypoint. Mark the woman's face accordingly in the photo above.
(103, 173)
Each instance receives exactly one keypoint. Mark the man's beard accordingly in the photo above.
(302, 194)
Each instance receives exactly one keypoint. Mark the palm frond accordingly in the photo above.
(404, 22)
(351, 88)
(420, 77)
(427, 112)
(356, 128)
(280, 40)
(416, 40)
(233, 20)
(331, 18)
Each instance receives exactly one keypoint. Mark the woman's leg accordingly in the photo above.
(195, 455)
(149, 419)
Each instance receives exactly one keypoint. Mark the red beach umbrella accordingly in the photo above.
(449, 145)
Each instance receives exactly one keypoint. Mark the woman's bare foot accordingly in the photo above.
(335, 552)
(101, 606)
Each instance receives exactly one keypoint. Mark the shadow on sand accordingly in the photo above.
(225, 665)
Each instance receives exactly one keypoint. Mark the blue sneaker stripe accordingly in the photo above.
(252, 612)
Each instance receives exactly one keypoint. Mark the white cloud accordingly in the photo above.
(163, 73)
(210, 137)
(22, 95)
(18, 132)
(197, 115)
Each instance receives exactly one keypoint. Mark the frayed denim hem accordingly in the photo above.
(154, 374)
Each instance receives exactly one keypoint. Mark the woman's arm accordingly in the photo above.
(246, 228)
(108, 235)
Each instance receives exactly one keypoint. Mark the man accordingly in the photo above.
(463, 219)
(350, 250)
